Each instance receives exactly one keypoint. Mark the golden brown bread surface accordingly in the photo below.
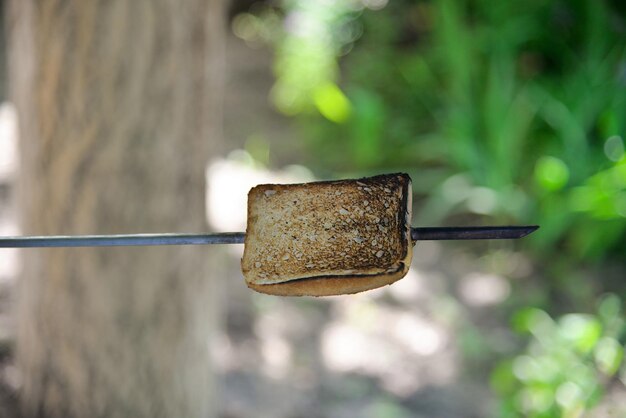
(328, 238)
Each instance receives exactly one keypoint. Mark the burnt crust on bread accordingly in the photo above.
(327, 238)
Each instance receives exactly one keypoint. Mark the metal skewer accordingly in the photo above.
(471, 232)
(417, 234)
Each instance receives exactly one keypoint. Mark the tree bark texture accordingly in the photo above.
(118, 103)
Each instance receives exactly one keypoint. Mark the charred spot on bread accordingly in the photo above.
(326, 238)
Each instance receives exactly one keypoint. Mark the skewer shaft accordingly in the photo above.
(121, 240)
(417, 234)
(471, 232)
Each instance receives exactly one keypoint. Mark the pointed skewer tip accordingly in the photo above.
(529, 230)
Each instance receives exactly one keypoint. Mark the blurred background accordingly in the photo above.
(502, 113)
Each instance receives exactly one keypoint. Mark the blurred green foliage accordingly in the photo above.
(507, 110)
(567, 366)
(503, 111)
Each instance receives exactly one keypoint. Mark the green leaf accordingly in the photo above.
(531, 320)
(610, 307)
(332, 103)
(582, 330)
(368, 127)
(608, 355)
(551, 173)
(502, 380)
(569, 395)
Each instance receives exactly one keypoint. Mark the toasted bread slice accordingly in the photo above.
(328, 238)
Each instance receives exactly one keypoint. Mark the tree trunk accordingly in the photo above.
(118, 103)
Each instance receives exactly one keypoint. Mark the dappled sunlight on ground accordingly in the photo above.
(400, 348)
(480, 289)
